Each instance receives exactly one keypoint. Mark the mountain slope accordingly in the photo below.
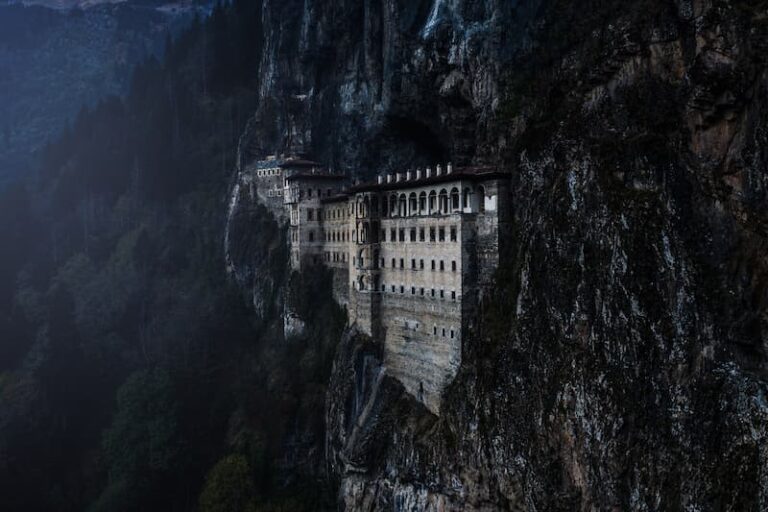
(624, 348)
(52, 63)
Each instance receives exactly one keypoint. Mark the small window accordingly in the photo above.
(421, 234)
(413, 264)
(453, 266)
(452, 334)
(433, 293)
(434, 330)
(453, 233)
(309, 214)
(453, 295)
(421, 264)
(394, 265)
(393, 289)
(442, 265)
(443, 332)
(402, 263)
(431, 234)
(441, 235)
(433, 264)
(311, 236)
(392, 235)
(402, 235)
(402, 289)
(421, 291)
(413, 234)
(309, 193)
(382, 262)
(442, 294)
(413, 290)
(383, 287)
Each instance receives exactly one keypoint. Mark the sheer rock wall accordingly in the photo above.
(620, 362)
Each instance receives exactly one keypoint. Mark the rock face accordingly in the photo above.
(621, 359)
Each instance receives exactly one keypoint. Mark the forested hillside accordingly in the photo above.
(133, 376)
(52, 62)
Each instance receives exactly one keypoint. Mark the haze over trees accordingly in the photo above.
(133, 375)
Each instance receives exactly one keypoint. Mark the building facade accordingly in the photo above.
(411, 254)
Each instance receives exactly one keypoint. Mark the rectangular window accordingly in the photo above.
(413, 290)
(309, 214)
(309, 192)
(421, 264)
(421, 291)
(453, 266)
(433, 264)
(442, 294)
(453, 295)
(382, 262)
(431, 234)
(433, 292)
(453, 233)
(421, 234)
(413, 264)
(434, 330)
(443, 332)
(402, 263)
(402, 235)
(402, 289)
(442, 265)
(393, 288)
(452, 333)
(383, 287)
(392, 235)
(394, 265)
(413, 234)
(441, 235)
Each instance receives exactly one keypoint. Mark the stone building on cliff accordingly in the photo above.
(410, 252)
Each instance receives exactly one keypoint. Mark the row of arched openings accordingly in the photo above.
(434, 202)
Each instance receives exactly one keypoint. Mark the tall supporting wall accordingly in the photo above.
(422, 345)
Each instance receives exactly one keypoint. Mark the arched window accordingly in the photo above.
(466, 200)
(402, 207)
(360, 259)
(455, 199)
(392, 205)
(366, 207)
(443, 201)
(422, 203)
(384, 206)
(413, 204)
(481, 199)
(432, 202)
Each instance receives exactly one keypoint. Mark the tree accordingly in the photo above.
(229, 487)
(142, 442)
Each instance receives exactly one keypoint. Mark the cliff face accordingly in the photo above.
(621, 362)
